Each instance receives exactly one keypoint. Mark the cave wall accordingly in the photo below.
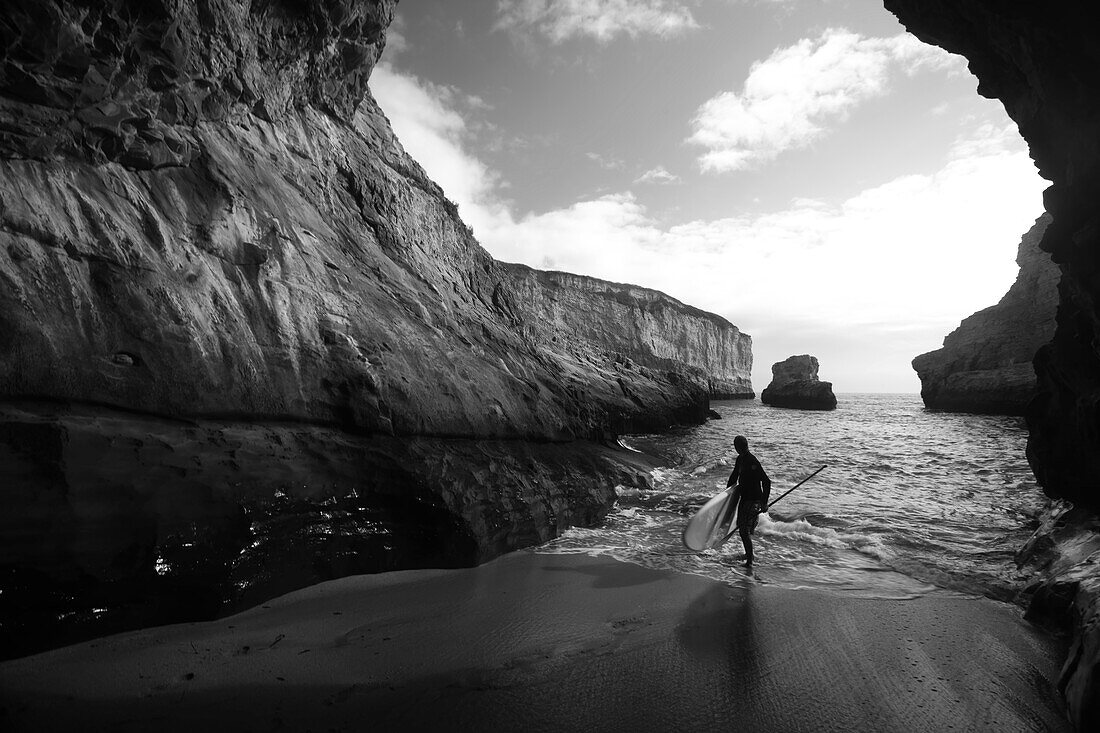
(1042, 62)
(602, 319)
(235, 315)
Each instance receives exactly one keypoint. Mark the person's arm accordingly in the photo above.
(732, 480)
(766, 484)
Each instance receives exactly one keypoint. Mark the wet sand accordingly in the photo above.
(535, 642)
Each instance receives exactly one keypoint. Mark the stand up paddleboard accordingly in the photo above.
(702, 531)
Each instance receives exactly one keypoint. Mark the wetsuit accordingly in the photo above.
(752, 492)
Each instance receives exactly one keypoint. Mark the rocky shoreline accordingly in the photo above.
(235, 311)
(1064, 595)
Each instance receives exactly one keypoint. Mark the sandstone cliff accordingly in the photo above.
(631, 325)
(245, 343)
(985, 364)
(795, 384)
(1041, 60)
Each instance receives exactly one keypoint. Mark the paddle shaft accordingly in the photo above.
(798, 484)
(784, 494)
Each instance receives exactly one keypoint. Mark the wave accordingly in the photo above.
(802, 530)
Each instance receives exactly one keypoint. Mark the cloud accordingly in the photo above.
(864, 283)
(795, 96)
(395, 37)
(432, 128)
(607, 162)
(658, 176)
(603, 20)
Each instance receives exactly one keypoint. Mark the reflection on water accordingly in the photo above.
(911, 500)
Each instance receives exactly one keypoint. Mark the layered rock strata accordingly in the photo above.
(634, 326)
(795, 384)
(245, 343)
(985, 365)
(1041, 60)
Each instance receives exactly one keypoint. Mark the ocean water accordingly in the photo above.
(911, 502)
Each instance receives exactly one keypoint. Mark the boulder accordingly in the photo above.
(795, 384)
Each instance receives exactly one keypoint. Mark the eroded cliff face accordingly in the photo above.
(627, 324)
(985, 364)
(1042, 61)
(245, 343)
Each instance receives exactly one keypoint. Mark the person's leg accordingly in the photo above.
(746, 523)
(746, 540)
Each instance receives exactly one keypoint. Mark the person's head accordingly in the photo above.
(740, 444)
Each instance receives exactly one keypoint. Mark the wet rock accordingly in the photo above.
(1062, 558)
(114, 519)
(795, 384)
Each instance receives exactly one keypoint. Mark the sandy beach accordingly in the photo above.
(534, 642)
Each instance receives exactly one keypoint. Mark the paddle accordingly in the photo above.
(797, 485)
(770, 505)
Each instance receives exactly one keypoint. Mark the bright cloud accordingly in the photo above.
(797, 94)
(395, 37)
(561, 20)
(435, 134)
(658, 175)
(879, 277)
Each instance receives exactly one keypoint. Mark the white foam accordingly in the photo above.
(803, 531)
(665, 475)
(626, 445)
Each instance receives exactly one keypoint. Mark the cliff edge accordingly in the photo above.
(985, 365)
(628, 324)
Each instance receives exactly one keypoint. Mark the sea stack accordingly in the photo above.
(795, 384)
(985, 364)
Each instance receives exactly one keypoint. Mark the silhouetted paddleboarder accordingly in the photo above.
(753, 487)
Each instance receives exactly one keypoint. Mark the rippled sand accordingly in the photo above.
(535, 642)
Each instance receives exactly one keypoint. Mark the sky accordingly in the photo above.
(806, 169)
